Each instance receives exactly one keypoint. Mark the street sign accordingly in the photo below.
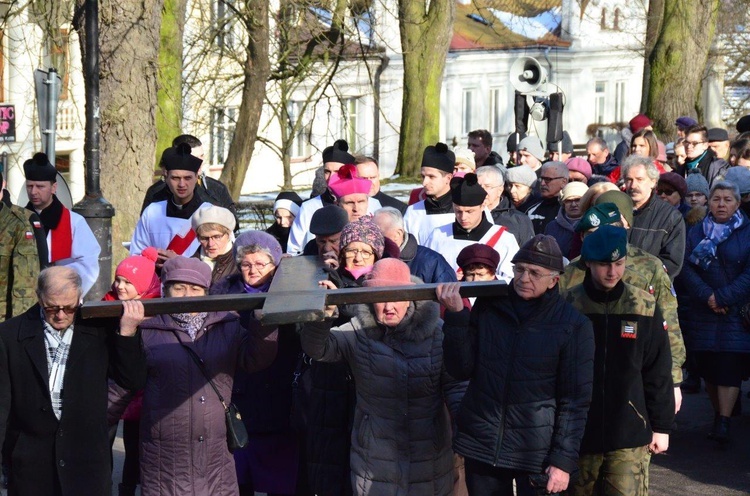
(7, 123)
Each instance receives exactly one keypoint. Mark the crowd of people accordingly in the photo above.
(569, 384)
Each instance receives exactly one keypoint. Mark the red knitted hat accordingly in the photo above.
(139, 269)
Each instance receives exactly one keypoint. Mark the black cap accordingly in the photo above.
(743, 125)
(567, 144)
(38, 168)
(541, 250)
(717, 134)
(328, 220)
(513, 141)
(439, 157)
(466, 191)
(180, 157)
(338, 152)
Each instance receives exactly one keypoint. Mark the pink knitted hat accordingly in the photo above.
(346, 182)
(139, 269)
(389, 272)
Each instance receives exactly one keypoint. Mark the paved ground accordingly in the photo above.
(693, 466)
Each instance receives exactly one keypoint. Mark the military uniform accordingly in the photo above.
(644, 271)
(19, 262)
(632, 395)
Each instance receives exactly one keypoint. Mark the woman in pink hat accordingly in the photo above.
(135, 279)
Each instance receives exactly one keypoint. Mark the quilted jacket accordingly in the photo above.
(402, 429)
(183, 431)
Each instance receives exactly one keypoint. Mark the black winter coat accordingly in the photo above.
(659, 229)
(530, 371)
(516, 222)
(73, 452)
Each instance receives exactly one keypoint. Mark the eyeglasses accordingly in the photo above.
(215, 238)
(692, 143)
(68, 309)
(257, 265)
(664, 191)
(549, 179)
(352, 253)
(534, 275)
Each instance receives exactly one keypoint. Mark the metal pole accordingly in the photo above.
(97, 211)
(50, 127)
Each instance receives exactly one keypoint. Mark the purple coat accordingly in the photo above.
(183, 434)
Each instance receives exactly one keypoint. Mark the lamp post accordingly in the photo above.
(97, 211)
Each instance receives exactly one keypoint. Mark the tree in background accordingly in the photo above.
(677, 62)
(426, 30)
(733, 40)
(129, 58)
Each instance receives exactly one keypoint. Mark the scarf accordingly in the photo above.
(692, 164)
(715, 234)
(254, 290)
(57, 344)
(190, 322)
(360, 271)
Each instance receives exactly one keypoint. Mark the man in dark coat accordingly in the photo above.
(479, 141)
(701, 157)
(529, 361)
(552, 179)
(57, 442)
(602, 162)
(658, 228)
(368, 168)
(427, 264)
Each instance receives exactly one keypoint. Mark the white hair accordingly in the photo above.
(395, 219)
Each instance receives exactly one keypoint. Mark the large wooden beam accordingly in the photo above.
(332, 297)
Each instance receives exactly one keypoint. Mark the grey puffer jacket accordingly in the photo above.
(401, 440)
(183, 432)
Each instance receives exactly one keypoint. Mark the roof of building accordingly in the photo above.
(504, 24)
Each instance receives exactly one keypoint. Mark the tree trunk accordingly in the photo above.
(169, 95)
(654, 19)
(425, 38)
(678, 60)
(129, 54)
(257, 69)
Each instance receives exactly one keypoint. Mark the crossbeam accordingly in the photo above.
(239, 302)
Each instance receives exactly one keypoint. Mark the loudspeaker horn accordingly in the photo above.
(527, 75)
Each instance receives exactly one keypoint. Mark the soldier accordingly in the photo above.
(19, 262)
(643, 270)
(631, 411)
(35, 224)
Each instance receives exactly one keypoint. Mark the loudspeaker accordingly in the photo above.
(527, 75)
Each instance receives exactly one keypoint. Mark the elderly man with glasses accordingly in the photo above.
(529, 361)
(552, 180)
(53, 388)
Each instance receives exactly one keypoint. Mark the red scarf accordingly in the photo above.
(62, 238)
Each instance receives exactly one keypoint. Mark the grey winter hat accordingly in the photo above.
(532, 145)
(697, 183)
(740, 177)
(521, 174)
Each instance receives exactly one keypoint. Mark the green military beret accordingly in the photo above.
(598, 215)
(606, 244)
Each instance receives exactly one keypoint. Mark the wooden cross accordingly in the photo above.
(294, 296)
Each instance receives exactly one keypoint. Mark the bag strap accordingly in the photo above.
(202, 366)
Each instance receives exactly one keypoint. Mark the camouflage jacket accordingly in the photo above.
(632, 393)
(19, 262)
(644, 271)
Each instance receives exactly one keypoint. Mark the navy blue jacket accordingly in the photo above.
(728, 278)
(426, 263)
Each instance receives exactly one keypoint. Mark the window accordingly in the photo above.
(58, 49)
(300, 144)
(223, 15)
(467, 107)
(616, 25)
(223, 121)
(620, 101)
(351, 122)
(604, 19)
(495, 110)
(600, 91)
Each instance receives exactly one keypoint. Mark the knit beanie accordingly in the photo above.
(389, 272)
(439, 157)
(521, 175)
(213, 214)
(697, 183)
(363, 230)
(639, 122)
(576, 189)
(606, 244)
(140, 270)
(263, 240)
(346, 182)
(740, 177)
(187, 270)
(533, 145)
(465, 156)
(567, 144)
(541, 250)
